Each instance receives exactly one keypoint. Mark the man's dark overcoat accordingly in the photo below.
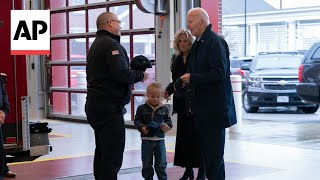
(213, 102)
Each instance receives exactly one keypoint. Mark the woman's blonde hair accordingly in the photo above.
(190, 38)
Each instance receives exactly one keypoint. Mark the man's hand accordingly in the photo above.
(145, 76)
(185, 78)
(2, 117)
(144, 130)
(166, 95)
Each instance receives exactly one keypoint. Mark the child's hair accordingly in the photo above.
(154, 85)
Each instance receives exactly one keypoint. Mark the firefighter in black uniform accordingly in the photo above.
(109, 81)
(4, 112)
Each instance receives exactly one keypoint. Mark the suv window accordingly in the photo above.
(247, 62)
(235, 63)
(316, 55)
(282, 62)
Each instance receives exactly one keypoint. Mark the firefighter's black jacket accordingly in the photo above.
(108, 72)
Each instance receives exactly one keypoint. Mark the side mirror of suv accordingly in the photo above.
(245, 67)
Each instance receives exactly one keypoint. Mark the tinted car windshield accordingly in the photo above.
(265, 63)
(235, 64)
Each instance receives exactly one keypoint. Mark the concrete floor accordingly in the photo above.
(267, 149)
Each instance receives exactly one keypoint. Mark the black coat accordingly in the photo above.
(108, 73)
(5, 107)
(187, 149)
(213, 102)
(4, 102)
(178, 68)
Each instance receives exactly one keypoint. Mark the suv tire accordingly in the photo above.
(246, 106)
(310, 110)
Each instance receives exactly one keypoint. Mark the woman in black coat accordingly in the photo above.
(186, 149)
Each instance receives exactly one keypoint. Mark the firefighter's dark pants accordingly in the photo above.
(108, 124)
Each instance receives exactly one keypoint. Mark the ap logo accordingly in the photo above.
(30, 32)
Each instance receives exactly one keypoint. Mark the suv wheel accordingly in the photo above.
(310, 110)
(246, 106)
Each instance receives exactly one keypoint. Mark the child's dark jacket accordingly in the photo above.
(146, 116)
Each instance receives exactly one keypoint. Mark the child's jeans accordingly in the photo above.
(158, 149)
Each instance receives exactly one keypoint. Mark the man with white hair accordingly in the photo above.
(109, 81)
(212, 102)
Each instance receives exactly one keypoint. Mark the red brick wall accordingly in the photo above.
(214, 9)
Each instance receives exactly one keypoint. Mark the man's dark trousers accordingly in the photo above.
(108, 124)
(212, 147)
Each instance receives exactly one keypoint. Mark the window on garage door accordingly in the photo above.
(73, 27)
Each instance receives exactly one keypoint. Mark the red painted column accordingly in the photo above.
(7, 63)
(214, 10)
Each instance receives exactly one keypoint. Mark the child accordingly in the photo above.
(153, 121)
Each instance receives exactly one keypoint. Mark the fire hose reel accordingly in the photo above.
(157, 7)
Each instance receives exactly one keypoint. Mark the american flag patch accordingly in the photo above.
(115, 52)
